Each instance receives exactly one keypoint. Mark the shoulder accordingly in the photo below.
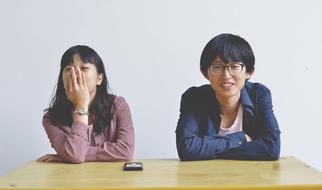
(258, 93)
(120, 104)
(255, 88)
(119, 100)
(47, 118)
(196, 97)
(197, 92)
(50, 124)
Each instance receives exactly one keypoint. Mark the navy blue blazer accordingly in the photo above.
(197, 129)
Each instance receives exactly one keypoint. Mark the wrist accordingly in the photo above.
(81, 118)
(81, 111)
(81, 105)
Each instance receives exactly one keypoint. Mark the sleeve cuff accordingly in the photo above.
(237, 139)
(91, 154)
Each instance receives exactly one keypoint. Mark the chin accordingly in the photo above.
(229, 94)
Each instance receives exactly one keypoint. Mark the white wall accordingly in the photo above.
(151, 50)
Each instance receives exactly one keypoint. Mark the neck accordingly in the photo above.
(229, 105)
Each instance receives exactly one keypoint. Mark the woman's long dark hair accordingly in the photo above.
(60, 108)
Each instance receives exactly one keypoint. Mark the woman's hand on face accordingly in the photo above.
(50, 158)
(248, 138)
(77, 90)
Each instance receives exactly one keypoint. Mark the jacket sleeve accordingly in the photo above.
(123, 147)
(191, 145)
(71, 146)
(267, 145)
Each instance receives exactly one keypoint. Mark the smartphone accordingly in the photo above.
(133, 166)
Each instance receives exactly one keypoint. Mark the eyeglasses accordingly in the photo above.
(233, 69)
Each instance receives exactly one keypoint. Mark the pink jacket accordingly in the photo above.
(77, 144)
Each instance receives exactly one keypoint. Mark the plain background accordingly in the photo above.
(151, 50)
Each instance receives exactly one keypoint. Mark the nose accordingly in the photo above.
(76, 69)
(225, 73)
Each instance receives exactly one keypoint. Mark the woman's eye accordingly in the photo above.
(84, 68)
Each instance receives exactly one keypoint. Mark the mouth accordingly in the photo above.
(227, 85)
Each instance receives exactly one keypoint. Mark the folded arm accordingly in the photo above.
(74, 145)
(191, 146)
(71, 146)
(123, 147)
(267, 145)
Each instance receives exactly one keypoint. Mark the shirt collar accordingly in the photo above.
(246, 101)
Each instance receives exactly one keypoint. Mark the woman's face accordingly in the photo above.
(92, 77)
(227, 84)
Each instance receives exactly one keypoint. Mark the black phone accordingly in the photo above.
(133, 166)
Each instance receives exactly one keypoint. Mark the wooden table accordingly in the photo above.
(286, 173)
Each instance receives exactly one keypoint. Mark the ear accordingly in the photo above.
(206, 74)
(100, 78)
(248, 75)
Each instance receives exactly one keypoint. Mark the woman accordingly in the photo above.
(84, 122)
(231, 118)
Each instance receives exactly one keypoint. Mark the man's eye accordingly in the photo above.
(234, 66)
(84, 68)
(217, 67)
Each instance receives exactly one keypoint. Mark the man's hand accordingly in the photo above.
(248, 138)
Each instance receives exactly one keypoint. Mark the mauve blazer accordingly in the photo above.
(77, 144)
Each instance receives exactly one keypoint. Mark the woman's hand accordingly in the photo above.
(50, 158)
(76, 89)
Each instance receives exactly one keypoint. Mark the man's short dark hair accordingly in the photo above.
(227, 47)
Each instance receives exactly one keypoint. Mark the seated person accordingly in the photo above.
(84, 122)
(231, 118)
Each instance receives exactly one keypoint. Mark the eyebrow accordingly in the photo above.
(229, 63)
(67, 67)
